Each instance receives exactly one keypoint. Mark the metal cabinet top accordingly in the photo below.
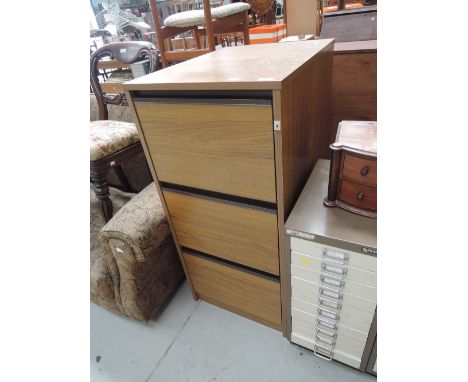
(337, 227)
(247, 67)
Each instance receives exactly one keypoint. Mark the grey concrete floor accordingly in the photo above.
(195, 341)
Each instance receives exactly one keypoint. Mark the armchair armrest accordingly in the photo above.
(141, 255)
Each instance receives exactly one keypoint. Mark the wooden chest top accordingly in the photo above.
(357, 136)
(246, 67)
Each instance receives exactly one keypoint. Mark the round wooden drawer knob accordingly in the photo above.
(360, 196)
(365, 171)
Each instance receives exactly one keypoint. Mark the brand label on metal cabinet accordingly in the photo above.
(302, 235)
(369, 251)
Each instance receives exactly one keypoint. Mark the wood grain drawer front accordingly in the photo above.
(222, 148)
(358, 195)
(243, 235)
(255, 297)
(338, 353)
(360, 170)
(315, 264)
(349, 316)
(355, 259)
(351, 287)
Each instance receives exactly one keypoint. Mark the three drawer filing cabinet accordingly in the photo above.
(333, 265)
(231, 137)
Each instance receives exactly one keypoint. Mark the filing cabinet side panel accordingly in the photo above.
(302, 109)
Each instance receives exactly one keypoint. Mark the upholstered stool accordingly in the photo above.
(143, 267)
(107, 137)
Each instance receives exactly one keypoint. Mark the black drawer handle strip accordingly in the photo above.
(215, 96)
(218, 196)
(232, 264)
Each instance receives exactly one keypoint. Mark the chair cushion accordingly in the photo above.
(186, 19)
(108, 137)
(197, 17)
(228, 10)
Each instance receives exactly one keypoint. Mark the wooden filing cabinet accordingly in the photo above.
(333, 268)
(231, 138)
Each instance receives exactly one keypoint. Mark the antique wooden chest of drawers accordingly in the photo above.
(353, 170)
(230, 148)
(333, 266)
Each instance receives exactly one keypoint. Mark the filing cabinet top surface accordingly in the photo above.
(246, 67)
(310, 216)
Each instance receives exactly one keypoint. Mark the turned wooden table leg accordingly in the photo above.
(101, 189)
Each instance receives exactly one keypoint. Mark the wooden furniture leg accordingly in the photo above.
(101, 189)
(246, 28)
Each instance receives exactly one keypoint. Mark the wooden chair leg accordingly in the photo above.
(101, 190)
(246, 28)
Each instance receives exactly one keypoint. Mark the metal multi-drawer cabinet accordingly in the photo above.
(333, 269)
(229, 152)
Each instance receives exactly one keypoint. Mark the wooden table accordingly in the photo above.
(231, 138)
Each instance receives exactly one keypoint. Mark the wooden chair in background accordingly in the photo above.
(263, 12)
(112, 142)
(207, 22)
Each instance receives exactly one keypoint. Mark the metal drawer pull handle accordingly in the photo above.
(331, 281)
(328, 341)
(323, 352)
(327, 324)
(360, 196)
(339, 257)
(327, 333)
(365, 171)
(329, 303)
(331, 293)
(334, 269)
(328, 314)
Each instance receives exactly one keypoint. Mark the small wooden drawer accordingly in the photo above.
(216, 146)
(358, 195)
(360, 170)
(232, 231)
(253, 296)
(329, 253)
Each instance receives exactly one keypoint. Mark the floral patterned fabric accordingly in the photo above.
(141, 255)
(108, 137)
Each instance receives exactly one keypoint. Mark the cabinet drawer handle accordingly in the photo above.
(329, 293)
(334, 269)
(332, 282)
(325, 332)
(327, 303)
(328, 314)
(360, 196)
(326, 340)
(365, 171)
(327, 324)
(323, 352)
(335, 256)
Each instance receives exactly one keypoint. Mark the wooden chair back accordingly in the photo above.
(234, 23)
(122, 54)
